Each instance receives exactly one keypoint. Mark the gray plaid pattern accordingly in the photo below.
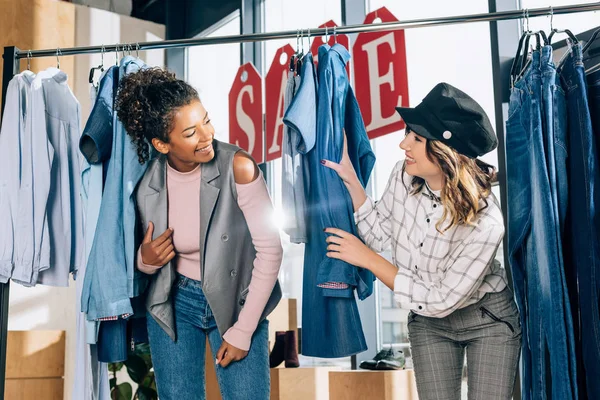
(438, 348)
(437, 273)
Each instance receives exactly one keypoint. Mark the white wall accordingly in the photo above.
(46, 308)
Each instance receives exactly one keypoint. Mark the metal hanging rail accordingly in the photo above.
(258, 37)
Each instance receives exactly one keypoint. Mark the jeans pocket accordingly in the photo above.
(515, 103)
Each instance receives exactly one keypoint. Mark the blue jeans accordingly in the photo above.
(584, 130)
(533, 242)
(557, 145)
(179, 366)
(112, 341)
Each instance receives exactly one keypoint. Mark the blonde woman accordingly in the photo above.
(443, 225)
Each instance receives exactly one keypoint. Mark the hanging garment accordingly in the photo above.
(65, 217)
(338, 112)
(533, 240)
(16, 127)
(331, 324)
(294, 171)
(47, 228)
(91, 376)
(582, 236)
(111, 278)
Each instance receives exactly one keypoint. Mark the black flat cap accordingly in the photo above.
(451, 116)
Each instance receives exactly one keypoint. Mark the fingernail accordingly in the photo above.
(323, 162)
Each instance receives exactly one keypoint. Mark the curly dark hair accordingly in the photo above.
(146, 103)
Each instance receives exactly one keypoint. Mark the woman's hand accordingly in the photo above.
(344, 169)
(347, 247)
(158, 251)
(347, 174)
(228, 353)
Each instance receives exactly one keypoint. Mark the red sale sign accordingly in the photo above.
(332, 39)
(276, 82)
(245, 112)
(381, 80)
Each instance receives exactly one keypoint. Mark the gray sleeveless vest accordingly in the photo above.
(226, 250)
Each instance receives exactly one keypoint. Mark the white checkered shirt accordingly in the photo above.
(437, 273)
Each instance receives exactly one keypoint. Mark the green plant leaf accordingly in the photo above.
(122, 392)
(113, 382)
(148, 380)
(115, 367)
(143, 350)
(144, 393)
(136, 368)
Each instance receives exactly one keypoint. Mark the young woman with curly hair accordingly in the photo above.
(209, 248)
(443, 225)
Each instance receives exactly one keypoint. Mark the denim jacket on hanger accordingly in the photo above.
(338, 111)
(111, 278)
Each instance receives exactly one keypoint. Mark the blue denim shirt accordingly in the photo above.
(111, 278)
(299, 138)
(337, 110)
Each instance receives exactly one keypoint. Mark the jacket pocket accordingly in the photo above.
(485, 311)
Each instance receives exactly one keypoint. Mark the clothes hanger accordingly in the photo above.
(29, 60)
(98, 68)
(589, 42)
(523, 59)
(554, 31)
(58, 53)
(297, 54)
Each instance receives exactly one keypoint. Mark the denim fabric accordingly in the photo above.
(112, 341)
(584, 132)
(111, 277)
(91, 376)
(301, 115)
(533, 243)
(97, 138)
(557, 145)
(179, 365)
(294, 172)
(331, 325)
(329, 198)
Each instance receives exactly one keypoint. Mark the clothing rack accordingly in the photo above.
(12, 55)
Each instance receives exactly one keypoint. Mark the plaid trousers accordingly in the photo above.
(490, 333)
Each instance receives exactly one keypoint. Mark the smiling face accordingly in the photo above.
(417, 161)
(190, 140)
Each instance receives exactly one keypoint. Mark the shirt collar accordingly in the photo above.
(434, 195)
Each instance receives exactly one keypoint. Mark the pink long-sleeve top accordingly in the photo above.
(253, 198)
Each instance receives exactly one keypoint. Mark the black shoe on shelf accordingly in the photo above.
(372, 364)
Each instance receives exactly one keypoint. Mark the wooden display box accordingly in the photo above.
(380, 385)
(35, 365)
(300, 383)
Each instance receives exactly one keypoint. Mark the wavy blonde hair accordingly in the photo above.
(467, 184)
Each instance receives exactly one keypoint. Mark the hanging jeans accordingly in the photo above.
(554, 113)
(584, 132)
(533, 243)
